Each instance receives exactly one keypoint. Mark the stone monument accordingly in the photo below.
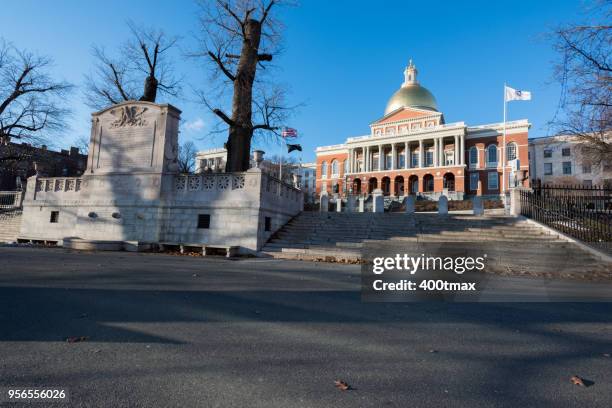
(131, 192)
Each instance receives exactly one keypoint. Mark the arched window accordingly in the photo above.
(473, 156)
(511, 151)
(334, 168)
(492, 156)
(324, 170)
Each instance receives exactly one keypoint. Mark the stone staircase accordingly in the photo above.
(10, 223)
(341, 237)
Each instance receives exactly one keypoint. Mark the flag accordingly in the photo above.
(288, 132)
(292, 147)
(511, 94)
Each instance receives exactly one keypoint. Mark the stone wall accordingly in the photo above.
(237, 204)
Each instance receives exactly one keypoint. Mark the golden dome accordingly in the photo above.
(411, 94)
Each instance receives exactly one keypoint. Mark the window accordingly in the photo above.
(511, 151)
(374, 162)
(547, 153)
(334, 168)
(586, 168)
(415, 159)
(492, 156)
(474, 181)
(203, 221)
(401, 161)
(54, 217)
(267, 224)
(449, 158)
(548, 171)
(324, 170)
(388, 159)
(493, 180)
(429, 158)
(567, 167)
(473, 156)
(566, 152)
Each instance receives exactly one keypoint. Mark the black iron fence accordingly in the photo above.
(583, 212)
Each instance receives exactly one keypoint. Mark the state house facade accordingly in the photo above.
(411, 150)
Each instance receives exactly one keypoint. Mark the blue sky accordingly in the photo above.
(343, 59)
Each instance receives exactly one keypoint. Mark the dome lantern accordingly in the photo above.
(410, 75)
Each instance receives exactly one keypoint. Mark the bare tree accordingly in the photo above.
(585, 73)
(30, 99)
(186, 157)
(239, 38)
(142, 69)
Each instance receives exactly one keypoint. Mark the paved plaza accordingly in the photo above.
(181, 331)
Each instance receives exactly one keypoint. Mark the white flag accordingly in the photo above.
(511, 94)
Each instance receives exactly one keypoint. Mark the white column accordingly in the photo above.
(380, 157)
(441, 153)
(421, 153)
(456, 150)
(366, 159)
(436, 152)
(462, 150)
(406, 155)
(393, 166)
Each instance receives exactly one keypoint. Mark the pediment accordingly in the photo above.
(405, 113)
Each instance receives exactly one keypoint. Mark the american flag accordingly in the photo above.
(288, 132)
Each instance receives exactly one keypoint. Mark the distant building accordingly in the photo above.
(412, 150)
(557, 160)
(213, 160)
(18, 161)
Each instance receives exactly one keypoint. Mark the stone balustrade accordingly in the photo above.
(56, 185)
(230, 182)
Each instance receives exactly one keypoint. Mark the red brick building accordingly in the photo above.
(411, 150)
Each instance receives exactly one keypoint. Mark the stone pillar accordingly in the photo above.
(350, 203)
(515, 201)
(380, 157)
(443, 205)
(324, 202)
(378, 201)
(409, 204)
(338, 204)
(477, 208)
(421, 153)
(367, 159)
(406, 154)
(462, 150)
(393, 156)
(361, 204)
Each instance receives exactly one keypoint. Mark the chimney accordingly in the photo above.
(74, 151)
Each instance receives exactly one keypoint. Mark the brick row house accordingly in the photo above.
(412, 150)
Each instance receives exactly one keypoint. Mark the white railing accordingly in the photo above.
(58, 184)
(228, 182)
(10, 200)
(210, 182)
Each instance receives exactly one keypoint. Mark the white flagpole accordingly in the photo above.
(503, 149)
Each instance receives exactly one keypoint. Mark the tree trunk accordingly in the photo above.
(150, 89)
(241, 131)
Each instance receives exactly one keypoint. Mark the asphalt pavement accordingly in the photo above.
(181, 331)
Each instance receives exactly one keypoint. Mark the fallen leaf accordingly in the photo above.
(433, 351)
(77, 339)
(577, 381)
(342, 385)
